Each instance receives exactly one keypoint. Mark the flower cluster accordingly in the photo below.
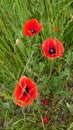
(26, 90)
(52, 47)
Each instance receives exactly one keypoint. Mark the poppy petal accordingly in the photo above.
(40, 26)
(60, 48)
(18, 91)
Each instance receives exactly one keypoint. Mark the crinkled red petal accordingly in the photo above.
(30, 25)
(25, 99)
(46, 45)
(60, 48)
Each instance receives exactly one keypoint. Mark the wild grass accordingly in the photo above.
(54, 78)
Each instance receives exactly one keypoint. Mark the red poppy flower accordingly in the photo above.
(32, 27)
(52, 48)
(45, 120)
(46, 102)
(25, 92)
(56, 29)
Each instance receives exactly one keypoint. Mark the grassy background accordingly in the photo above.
(54, 78)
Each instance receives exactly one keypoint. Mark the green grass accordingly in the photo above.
(54, 78)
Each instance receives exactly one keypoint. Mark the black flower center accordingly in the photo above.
(26, 90)
(33, 31)
(52, 51)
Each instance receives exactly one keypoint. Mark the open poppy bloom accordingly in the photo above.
(25, 92)
(52, 48)
(32, 27)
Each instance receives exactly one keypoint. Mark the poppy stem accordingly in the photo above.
(27, 63)
(51, 68)
(42, 123)
(64, 60)
(23, 109)
(41, 119)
